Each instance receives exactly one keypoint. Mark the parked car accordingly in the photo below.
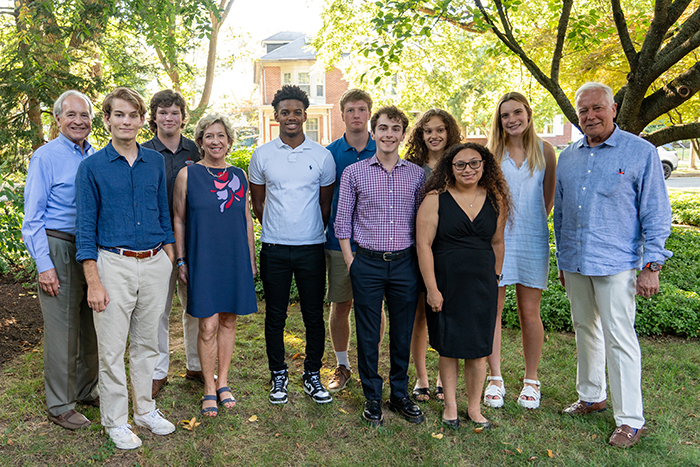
(669, 159)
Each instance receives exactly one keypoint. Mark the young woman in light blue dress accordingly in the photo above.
(529, 166)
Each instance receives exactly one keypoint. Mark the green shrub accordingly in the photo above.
(675, 310)
(12, 250)
(240, 158)
(686, 208)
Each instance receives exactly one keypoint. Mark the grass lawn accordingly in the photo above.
(303, 433)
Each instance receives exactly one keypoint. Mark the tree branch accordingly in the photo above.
(673, 133)
(469, 27)
(683, 42)
(561, 37)
(623, 32)
(679, 90)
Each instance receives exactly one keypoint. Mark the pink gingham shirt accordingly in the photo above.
(378, 208)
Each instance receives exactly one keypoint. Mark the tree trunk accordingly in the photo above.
(694, 150)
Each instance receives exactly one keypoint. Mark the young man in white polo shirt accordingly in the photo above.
(291, 187)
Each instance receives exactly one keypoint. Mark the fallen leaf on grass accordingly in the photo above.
(519, 450)
(508, 451)
(277, 435)
(299, 447)
(296, 355)
(343, 410)
(532, 458)
(692, 415)
(253, 418)
(478, 430)
(190, 424)
(312, 425)
(550, 453)
(437, 435)
(182, 375)
(9, 441)
(594, 436)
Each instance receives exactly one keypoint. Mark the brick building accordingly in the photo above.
(288, 60)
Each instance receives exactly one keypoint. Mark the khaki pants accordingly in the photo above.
(137, 290)
(70, 345)
(190, 329)
(603, 312)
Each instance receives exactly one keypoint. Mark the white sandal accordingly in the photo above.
(497, 393)
(529, 391)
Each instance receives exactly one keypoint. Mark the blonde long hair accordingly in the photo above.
(499, 138)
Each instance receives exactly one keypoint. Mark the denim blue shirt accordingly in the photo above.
(611, 208)
(344, 155)
(121, 206)
(49, 195)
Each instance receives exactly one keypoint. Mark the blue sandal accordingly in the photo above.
(225, 401)
(210, 411)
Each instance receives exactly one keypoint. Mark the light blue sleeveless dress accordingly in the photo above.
(526, 259)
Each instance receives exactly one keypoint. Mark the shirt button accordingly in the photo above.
(391, 222)
(391, 207)
(391, 191)
(579, 207)
(390, 238)
(584, 187)
(138, 223)
(589, 171)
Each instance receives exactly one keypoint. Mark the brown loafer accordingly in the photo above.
(624, 437)
(71, 420)
(584, 408)
(157, 384)
(194, 376)
(94, 402)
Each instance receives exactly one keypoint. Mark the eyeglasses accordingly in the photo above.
(461, 165)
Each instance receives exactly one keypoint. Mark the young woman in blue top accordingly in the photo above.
(436, 131)
(529, 166)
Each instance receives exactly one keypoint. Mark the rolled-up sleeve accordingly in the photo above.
(87, 202)
(654, 212)
(163, 207)
(347, 198)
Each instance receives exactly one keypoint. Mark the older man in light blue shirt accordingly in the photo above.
(612, 217)
(70, 345)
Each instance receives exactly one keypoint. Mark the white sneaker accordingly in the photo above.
(155, 422)
(123, 437)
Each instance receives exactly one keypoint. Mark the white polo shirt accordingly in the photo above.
(293, 179)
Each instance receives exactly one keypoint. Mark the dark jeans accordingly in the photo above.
(308, 264)
(373, 279)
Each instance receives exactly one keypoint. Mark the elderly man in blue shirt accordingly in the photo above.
(48, 230)
(125, 242)
(612, 217)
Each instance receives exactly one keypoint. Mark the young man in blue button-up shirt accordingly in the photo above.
(612, 216)
(70, 345)
(125, 242)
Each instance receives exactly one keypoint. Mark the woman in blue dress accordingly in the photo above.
(529, 166)
(216, 253)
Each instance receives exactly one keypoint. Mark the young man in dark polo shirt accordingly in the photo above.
(167, 117)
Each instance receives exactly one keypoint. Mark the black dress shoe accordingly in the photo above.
(408, 409)
(454, 424)
(373, 412)
(485, 425)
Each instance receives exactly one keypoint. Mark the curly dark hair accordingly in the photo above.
(392, 113)
(290, 92)
(492, 178)
(416, 149)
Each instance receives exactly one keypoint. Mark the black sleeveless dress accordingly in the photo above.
(466, 277)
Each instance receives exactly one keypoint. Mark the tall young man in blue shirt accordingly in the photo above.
(167, 117)
(70, 345)
(125, 242)
(612, 217)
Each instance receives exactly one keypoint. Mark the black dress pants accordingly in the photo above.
(374, 279)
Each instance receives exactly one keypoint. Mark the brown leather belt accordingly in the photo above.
(60, 235)
(134, 254)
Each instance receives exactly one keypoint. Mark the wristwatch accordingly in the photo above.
(653, 266)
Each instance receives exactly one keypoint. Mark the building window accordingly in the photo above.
(312, 129)
(287, 78)
(319, 90)
(305, 82)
